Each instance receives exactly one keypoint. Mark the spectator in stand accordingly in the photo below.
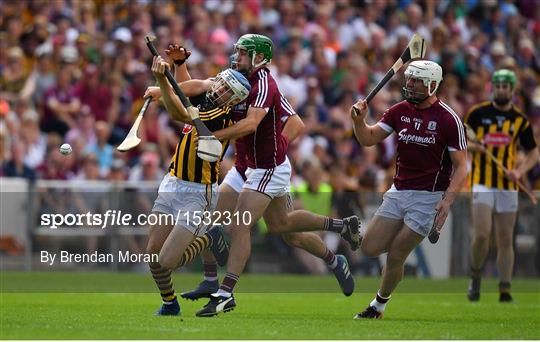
(15, 83)
(147, 169)
(15, 167)
(36, 141)
(60, 104)
(84, 128)
(101, 148)
(92, 92)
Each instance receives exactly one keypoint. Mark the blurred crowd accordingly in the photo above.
(75, 72)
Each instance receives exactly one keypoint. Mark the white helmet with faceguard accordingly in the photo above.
(230, 88)
(426, 71)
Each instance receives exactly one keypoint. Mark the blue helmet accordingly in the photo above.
(235, 84)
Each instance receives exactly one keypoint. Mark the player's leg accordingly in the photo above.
(156, 238)
(305, 221)
(174, 246)
(379, 235)
(504, 234)
(382, 229)
(482, 210)
(310, 242)
(418, 210)
(402, 245)
(210, 284)
(161, 275)
(506, 205)
(261, 187)
(254, 203)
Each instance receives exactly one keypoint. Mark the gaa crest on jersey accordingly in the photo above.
(187, 129)
(432, 126)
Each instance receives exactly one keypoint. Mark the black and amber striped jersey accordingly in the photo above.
(185, 164)
(500, 132)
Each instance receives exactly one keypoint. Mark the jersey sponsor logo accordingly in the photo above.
(415, 139)
(187, 129)
(486, 122)
(497, 139)
(405, 119)
(432, 125)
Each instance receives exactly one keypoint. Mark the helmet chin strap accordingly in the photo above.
(263, 62)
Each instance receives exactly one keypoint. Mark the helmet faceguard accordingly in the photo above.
(229, 88)
(426, 72)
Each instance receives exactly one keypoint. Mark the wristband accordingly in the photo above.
(179, 61)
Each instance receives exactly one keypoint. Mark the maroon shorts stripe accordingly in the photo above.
(268, 179)
(262, 180)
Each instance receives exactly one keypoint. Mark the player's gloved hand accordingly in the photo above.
(153, 92)
(159, 66)
(359, 110)
(177, 53)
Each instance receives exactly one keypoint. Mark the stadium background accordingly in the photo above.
(75, 71)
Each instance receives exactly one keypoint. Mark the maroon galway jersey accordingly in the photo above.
(266, 148)
(425, 138)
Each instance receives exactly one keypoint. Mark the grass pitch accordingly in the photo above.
(120, 306)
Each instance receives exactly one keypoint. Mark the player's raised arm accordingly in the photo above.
(179, 56)
(172, 103)
(365, 134)
(189, 88)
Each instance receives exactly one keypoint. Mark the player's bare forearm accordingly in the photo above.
(368, 135)
(365, 134)
(459, 175)
(172, 103)
(181, 73)
(195, 87)
(238, 130)
(243, 127)
(294, 127)
(531, 159)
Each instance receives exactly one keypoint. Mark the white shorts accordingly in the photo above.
(416, 208)
(187, 202)
(274, 182)
(234, 179)
(501, 201)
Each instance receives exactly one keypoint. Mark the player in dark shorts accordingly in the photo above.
(431, 169)
(500, 125)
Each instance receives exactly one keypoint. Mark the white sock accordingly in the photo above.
(333, 265)
(210, 278)
(223, 293)
(377, 305)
